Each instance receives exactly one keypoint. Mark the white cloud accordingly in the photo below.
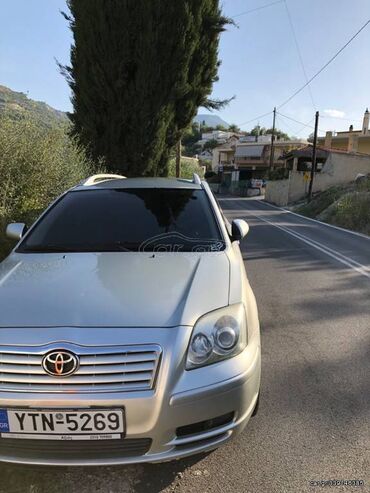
(335, 113)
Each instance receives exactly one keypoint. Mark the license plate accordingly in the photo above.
(63, 424)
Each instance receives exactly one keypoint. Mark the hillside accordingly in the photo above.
(211, 120)
(347, 206)
(17, 104)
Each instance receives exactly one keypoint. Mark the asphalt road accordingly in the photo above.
(312, 284)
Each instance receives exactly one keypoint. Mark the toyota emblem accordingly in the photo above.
(60, 363)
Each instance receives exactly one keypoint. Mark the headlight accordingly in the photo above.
(217, 335)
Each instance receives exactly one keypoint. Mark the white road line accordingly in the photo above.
(355, 233)
(349, 262)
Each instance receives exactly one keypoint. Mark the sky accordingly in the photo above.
(264, 60)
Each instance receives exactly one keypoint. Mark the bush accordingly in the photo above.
(37, 163)
(278, 174)
(351, 211)
(320, 202)
(363, 185)
(187, 168)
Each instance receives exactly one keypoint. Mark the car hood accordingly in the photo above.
(111, 289)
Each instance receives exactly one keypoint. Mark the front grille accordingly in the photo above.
(74, 450)
(102, 369)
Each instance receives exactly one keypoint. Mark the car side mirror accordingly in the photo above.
(239, 228)
(15, 231)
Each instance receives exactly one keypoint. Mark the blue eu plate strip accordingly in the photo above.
(4, 422)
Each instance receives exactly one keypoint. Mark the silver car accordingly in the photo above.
(128, 329)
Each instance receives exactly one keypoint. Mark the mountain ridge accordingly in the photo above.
(210, 120)
(18, 104)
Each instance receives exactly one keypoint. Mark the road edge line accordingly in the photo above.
(355, 233)
(331, 253)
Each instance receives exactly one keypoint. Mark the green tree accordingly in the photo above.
(139, 71)
(190, 137)
(210, 144)
(257, 130)
(279, 134)
(234, 128)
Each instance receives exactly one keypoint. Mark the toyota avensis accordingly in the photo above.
(128, 329)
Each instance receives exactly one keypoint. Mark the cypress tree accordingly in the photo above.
(139, 71)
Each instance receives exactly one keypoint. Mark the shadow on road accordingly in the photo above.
(140, 478)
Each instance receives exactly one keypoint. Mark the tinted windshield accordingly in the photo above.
(127, 220)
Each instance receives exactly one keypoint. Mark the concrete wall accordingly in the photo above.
(339, 169)
(364, 146)
(277, 192)
(215, 158)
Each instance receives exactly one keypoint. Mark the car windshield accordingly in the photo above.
(109, 220)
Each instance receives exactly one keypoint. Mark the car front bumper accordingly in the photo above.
(180, 398)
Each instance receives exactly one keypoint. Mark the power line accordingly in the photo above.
(299, 52)
(324, 66)
(254, 119)
(289, 126)
(297, 132)
(312, 78)
(308, 124)
(258, 8)
(301, 123)
(293, 119)
(305, 126)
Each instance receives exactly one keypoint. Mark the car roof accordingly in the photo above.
(140, 183)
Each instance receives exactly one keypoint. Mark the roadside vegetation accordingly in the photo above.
(188, 167)
(345, 206)
(37, 163)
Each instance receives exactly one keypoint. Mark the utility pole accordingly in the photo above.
(313, 166)
(272, 141)
(258, 131)
(178, 158)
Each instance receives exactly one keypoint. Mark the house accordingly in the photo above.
(242, 162)
(205, 156)
(334, 167)
(220, 136)
(350, 140)
(223, 154)
(301, 159)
